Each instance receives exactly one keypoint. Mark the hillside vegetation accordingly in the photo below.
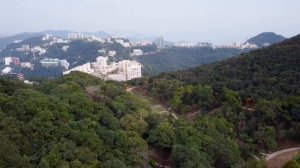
(265, 73)
(240, 108)
(81, 121)
(256, 93)
(175, 58)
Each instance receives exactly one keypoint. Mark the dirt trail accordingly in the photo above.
(156, 106)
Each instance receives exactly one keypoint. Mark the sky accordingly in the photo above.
(217, 21)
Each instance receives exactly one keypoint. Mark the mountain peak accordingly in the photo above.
(266, 39)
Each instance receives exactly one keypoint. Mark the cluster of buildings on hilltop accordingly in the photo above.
(53, 40)
(36, 49)
(120, 40)
(161, 43)
(239, 45)
(119, 71)
(10, 62)
(81, 36)
(191, 45)
(41, 50)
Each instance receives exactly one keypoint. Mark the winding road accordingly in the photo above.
(274, 154)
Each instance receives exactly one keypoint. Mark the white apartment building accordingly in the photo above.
(86, 68)
(64, 63)
(100, 65)
(132, 69)
(8, 60)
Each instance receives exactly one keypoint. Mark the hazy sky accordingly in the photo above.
(218, 21)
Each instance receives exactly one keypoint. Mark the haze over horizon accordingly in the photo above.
(216, 21)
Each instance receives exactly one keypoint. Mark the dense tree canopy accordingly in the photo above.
(257, 94)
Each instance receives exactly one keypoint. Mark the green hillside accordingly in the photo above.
(257, 93)
(227, 111)
(81, 121)
(265, 73)
(174, 58)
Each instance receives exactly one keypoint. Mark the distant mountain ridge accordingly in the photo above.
(266, 39)
(65, 33)
(4, 41)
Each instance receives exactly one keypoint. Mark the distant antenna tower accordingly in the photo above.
(33, 55)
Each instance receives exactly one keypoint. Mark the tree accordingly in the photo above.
(265, 137)
(292, 164)
(184, 157)
(132, 123)
(162, 136)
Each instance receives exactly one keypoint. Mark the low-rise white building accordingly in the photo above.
(38, 49)
(6, 70)
(65, 48)
(112, 53)
(47, 37)
(137, 52)
(102, 52)
(48, 62)
(24, 48)
(26, 65)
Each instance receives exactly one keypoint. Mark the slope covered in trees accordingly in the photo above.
(56, 124)
(263, 73)
(256, 93)
(175, 58)
(81, 121)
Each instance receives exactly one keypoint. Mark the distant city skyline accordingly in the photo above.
(216, 21)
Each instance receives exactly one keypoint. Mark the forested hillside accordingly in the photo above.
(256, 93)
(228, 112)
(57, 124)
(174, 58)
(81, 121)
(264, 73)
